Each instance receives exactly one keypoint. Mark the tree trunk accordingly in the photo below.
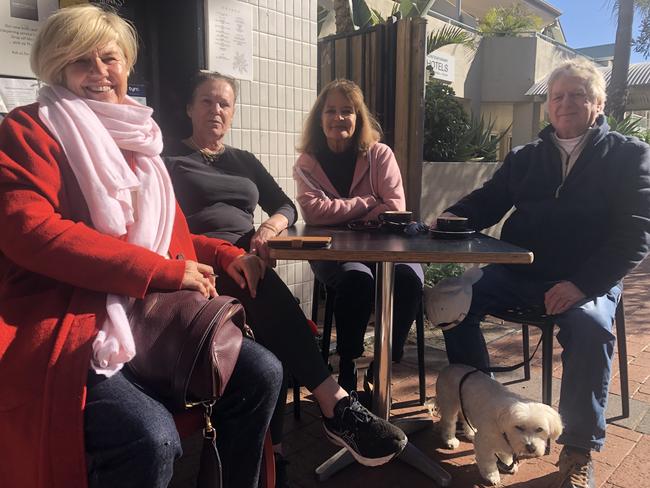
(617, 90)
(343, 16)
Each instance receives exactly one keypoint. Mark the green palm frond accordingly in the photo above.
(321, 15)
(629, 126)
(364, 16)
(449, 34)
(480, 142)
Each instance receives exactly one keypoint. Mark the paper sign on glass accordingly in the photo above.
(19, 22)
(229, 38)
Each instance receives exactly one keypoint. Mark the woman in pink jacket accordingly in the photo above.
(343, 174)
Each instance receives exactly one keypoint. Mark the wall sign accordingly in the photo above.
(19, 21)
(15, 92)
(229, 38)
(442, 66)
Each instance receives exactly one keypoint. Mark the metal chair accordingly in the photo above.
(330, 295)
(529, 317)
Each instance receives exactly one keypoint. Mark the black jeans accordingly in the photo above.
(131, 439)
(355, 288)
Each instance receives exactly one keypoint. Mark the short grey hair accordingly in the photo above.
(587, 71)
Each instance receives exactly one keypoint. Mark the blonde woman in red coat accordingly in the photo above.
(69, 413)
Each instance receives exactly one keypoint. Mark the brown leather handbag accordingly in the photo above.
(186, 345)
(186, 350)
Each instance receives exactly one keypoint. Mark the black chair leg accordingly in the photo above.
(547, 365)
(327, 324)
(419, 330)
(525, 336)
(622, 358)
(296, 399)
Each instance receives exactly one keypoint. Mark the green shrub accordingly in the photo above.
(445, 122)
(508, 21)
(436, 272)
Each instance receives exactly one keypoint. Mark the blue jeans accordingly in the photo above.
(131, 439)
(585, 334)
(355, 288)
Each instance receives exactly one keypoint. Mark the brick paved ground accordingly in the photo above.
(624, 463)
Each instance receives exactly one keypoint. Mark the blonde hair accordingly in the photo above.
(73, 32)
(591, 76)
(367, 130)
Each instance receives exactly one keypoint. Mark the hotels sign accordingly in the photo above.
(441, 66)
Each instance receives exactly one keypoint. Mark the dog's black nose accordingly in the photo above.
(530, 448)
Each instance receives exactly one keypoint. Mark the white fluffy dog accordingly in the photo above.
(507, 425)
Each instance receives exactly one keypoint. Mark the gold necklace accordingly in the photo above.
(209, 156)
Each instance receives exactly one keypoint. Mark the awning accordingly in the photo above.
(638, 76)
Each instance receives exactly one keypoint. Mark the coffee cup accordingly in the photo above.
(395, 216)
(452, 224)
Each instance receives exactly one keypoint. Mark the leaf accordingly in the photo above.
(449, 34)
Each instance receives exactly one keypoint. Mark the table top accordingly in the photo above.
(379, 246)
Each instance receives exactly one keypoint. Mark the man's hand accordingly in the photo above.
(561, 297)
(247, 270)
(199, 277)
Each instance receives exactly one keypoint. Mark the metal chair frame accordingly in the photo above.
(546, 324)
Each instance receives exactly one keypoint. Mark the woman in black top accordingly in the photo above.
(218, 188)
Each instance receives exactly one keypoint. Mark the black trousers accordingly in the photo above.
(280, 325)
(355, 288)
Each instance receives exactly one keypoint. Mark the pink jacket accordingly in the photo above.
(376, 187)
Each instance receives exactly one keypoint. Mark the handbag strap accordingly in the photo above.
(210, 465)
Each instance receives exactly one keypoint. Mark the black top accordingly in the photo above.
(218, 199)
(339, 168)
(590, 230)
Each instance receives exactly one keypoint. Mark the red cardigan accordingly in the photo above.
(55, 272)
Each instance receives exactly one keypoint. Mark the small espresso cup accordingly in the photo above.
(452, 224)
(396, 216)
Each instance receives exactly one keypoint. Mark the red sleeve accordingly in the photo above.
(215, 252)
(36, 237)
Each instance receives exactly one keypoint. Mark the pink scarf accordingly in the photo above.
(138, 203)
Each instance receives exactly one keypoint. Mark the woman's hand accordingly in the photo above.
(199, 277)
(247, 270)
(275, 224)
(259, 244)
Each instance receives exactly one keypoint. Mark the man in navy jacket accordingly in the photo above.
(581, 198)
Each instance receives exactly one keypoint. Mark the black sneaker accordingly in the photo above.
(371, 440)
(576, 469)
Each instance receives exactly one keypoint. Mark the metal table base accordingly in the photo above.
(381, 391)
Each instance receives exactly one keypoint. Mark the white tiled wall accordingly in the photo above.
(272, 108)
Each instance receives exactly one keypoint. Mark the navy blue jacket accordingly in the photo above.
(597, 228)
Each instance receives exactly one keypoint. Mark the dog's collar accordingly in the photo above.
(507, 468)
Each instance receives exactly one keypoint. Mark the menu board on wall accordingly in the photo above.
(19, 21)
(229, 38)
